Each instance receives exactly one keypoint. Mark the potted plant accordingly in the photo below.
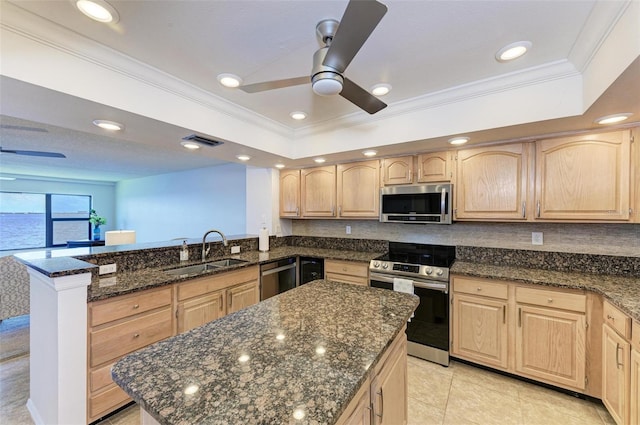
(96, 220)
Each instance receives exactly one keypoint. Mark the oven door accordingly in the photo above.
(430, 324)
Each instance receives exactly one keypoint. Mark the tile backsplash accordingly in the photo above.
(602, 239)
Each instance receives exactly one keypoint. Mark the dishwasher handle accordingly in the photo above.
(278, 269)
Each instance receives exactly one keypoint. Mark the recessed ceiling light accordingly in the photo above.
(513, 51)
(319, 160)
(243, 157)
(108, 125)
(380, 89)
(98, 10)
(458, 140)
(229, 80)
(612, 119)
(279, 166)
(298, 115)
(190, 145)
(370, 152)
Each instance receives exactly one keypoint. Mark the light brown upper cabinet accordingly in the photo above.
(359, 189)
(583, 177)
(492, 182)
(290, 193)
(434, 167)
(635, 178)
(398, 170)
(318, 191)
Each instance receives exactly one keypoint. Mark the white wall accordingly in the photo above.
(184, 204)
(263, 206)
(103, 194)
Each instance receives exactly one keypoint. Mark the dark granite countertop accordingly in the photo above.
(103, 287)
(305, 352)
(624, 292)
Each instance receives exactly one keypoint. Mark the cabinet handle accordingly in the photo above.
(519, 317)
(504, 314)
(340, 210)
(549, 300)
(524, 205)
(230, 301)
(618, 364)
(333, 208)
(609, 317)
(381, 415)
(410, 175)
(479, 289)
(135, 306)
(538, 208)
(136, 335)
(221, 306)
(297, 211)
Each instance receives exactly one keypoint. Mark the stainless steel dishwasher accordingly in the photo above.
(277, 277)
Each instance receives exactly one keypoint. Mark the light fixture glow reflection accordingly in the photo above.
(191, 389)
(613, 119)
(280, 337)
(298, 414)
(320, 350)
(243, 358)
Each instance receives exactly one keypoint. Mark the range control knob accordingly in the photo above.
(429, 270)
(385, 266)
(376, 264)
(439, 272)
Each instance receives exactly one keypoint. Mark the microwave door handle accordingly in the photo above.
(443, 198)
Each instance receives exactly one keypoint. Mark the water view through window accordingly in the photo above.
(37, 220)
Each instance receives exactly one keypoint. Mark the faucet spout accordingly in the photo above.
(205, 252)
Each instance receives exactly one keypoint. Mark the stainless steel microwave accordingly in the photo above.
(427, 203)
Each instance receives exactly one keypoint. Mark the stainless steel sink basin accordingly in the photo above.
(201, 268)
(227, 262)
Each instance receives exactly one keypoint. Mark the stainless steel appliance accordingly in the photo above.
(427, 266)
(311, 269)
(427, 203)
(277, 277)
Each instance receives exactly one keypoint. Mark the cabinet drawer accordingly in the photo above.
(346, 267)
(480, 287)
(107, 401)
(205, 285)
(552, 299)
(617, 320)
(128, 305)
(635, 335)
(131, 335)
(100, 378)
(357, 280)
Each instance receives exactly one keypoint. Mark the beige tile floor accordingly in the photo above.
(457, 395)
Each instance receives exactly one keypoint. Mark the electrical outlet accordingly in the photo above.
(235, 250)
(107, 268)
(536, 238)
(348, 230)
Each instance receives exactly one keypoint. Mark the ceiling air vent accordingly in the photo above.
(202, 140)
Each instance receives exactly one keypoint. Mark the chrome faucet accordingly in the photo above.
(206, 252)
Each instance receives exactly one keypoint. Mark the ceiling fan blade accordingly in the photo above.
(276, 84)
(360, 97)
(358, 22)
(34, 153)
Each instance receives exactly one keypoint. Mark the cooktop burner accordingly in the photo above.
(420, 254)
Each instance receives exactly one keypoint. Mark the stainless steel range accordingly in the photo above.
(425, 269)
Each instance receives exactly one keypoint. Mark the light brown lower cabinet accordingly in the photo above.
(634, 400)
(382, 400)
(347, 272)
(527, 330)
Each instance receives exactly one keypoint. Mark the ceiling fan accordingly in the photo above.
(32, 153)
(342, 41)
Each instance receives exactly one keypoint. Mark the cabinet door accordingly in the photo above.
(290, 193)
(198, 311)
(583, 177)
(550, 346)
(434, 167)
(242, 296)
(319, 191)
(398, 170)
(615, 375)
(479, 331)
(359, 411)
(634, 400)
(635, 179)
(359, 189)
(389, 389)
(492, 182)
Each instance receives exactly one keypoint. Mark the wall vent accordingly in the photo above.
(202, 140)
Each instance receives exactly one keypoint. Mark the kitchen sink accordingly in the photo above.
(201, 268)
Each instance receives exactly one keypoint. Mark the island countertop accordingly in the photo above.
(299, 357)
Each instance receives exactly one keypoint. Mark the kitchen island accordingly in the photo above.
(299, 357)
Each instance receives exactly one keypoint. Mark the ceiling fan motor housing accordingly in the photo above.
(325, 80)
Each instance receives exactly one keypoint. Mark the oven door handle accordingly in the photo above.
(436, 286)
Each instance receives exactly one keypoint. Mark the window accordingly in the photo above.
(39, 220)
